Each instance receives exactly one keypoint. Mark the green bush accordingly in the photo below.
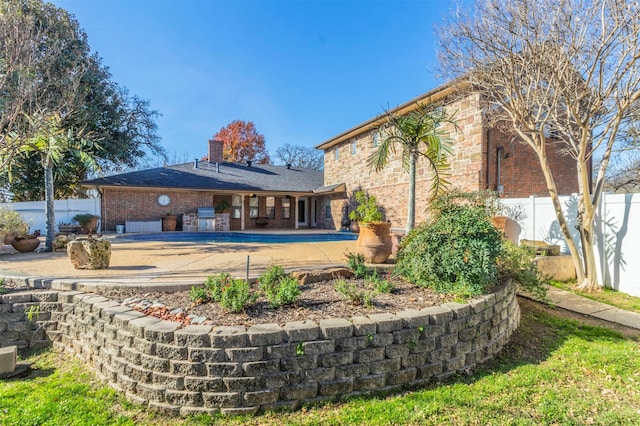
(278, 287)
(455, 252)
(236, 295)
(379, 284)
(198, 295)
(287, 293)
(355, 263)
(11, 222)
(367, 210)
(215, 284)
(517, 263)
(351, 291)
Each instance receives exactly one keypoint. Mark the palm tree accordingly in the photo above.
(418, 134)
(53, 143)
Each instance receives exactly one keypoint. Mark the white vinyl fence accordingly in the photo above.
(65, 210)
(617, 226)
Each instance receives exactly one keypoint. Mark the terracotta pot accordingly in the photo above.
(354, 227)
(169, 223)
(25, 245)
(509, 228)
(374, 241)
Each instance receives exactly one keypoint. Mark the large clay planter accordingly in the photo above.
(509, 228)
(25, 245)
(169, 223)
(85, 253)
(374, 241)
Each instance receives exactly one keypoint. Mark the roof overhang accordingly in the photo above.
(435, 95)
(331, 189)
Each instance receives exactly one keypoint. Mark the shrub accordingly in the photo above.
(517, 263)
(12, 223)
(455, 252)
(355, 263)
(3, 288)
(236, 295)
(215, 284)
(198, 295)
(350, 291)
(380, 284)
(278, 287)
(287, 293)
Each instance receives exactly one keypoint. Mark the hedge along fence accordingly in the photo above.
(235, 370)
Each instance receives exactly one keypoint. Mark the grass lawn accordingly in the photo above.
(606, 295)
(555, 370)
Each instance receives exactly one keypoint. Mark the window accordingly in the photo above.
(286, 207)
(376, 139)
(353, 147)
(253, 207)
(236, 206)
(327, 209)
(271, 207)
(336, 154)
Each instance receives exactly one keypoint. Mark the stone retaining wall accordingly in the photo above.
(238, 370)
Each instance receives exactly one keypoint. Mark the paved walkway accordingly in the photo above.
(582, 305)
(179, 265)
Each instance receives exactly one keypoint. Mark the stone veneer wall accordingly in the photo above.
(235, 370)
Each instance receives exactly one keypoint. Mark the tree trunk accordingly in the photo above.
(562, 221)
(49, 209)
(586, 212)
(411, 209)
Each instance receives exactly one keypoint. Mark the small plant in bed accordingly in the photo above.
(279, 288)
(355, 295)
(236, 295)
(379, 284)
(355, 263)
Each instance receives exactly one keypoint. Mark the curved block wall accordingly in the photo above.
(238, 370)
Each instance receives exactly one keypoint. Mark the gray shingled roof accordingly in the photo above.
(231, 177)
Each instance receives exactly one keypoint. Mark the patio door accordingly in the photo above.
(303, 215)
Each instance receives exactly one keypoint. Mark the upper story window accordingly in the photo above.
(376, 139)
(336, 154)
(353, 147)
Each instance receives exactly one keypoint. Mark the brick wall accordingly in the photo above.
(119, 205)
(520, 172)
(473, 167)
(132, 204)
(391, 185)
(239, 370)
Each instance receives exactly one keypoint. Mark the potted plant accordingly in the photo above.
(169, 222)
(26, 243)
(87, 221)
(222, 206)
(374, 238)
(12, 225)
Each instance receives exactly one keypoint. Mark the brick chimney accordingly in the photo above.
(215, 151)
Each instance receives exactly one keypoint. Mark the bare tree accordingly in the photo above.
(300, 156)
(566, 68)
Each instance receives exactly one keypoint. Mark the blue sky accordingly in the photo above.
(302, 71)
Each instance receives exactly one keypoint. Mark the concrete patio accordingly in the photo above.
(170, 265)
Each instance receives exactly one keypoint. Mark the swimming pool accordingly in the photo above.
(242, 237)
